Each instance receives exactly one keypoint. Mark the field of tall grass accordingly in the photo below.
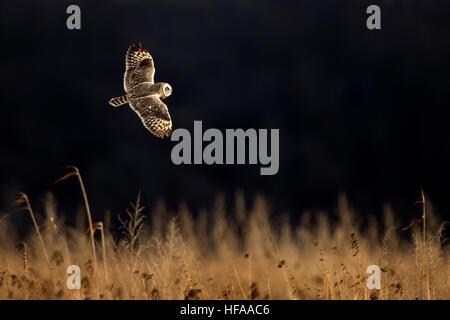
(224, 253)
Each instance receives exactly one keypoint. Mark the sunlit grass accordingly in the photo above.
(224, 253)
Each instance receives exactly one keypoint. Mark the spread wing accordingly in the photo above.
(139, 67)
(154, 115)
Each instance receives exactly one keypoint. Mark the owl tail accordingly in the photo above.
(116, 102)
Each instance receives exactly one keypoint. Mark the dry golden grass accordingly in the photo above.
(235, 253)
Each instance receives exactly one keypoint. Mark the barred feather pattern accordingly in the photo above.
(139, 67)
(116, 102)
(154, 115)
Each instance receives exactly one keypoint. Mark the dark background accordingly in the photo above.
(359, 111)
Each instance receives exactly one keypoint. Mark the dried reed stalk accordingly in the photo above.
(22, 247)
(76, 172)
(425, 275)
(24, 198)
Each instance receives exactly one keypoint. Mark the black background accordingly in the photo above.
(359, 111)
(287, 309)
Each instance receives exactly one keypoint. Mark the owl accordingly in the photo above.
(142, 94)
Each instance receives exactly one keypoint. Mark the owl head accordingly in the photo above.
(164, 90)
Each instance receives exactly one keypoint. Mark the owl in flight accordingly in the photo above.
(142, 94)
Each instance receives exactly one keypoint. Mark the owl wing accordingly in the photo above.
(154, 115)
(139, 67)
